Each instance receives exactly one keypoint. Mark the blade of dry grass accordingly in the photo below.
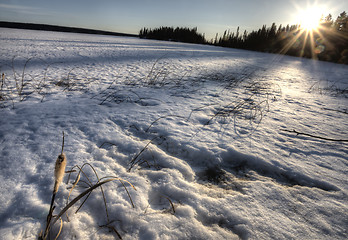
(81, 196)
(81, 170)
(134, 160)
(60, 229)
(171, 203)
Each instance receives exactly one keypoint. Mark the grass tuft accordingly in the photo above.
(51, 219)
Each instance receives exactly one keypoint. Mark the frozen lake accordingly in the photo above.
(198, 130)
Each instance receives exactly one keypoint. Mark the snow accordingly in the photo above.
(209, 121)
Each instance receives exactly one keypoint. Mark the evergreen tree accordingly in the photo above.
(341, 22)
(329, 42)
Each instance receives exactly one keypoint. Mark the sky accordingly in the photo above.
(129, 16)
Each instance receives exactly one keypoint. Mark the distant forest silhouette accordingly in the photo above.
(328, 43)
(170, 34)
(47, 27)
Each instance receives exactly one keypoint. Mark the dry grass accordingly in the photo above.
(79, 171)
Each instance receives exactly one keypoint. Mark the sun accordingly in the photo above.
(309, 18)
(307, 35)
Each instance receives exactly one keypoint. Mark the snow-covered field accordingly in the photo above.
(198, 131)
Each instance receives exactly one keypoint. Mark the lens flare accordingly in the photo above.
(309, 37)
(309, 18)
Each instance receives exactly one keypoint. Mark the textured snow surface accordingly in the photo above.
(196, 129)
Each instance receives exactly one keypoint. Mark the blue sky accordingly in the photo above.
(128, 16)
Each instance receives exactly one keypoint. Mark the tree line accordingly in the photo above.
(329, 42)
(47, 27)
(173, 34)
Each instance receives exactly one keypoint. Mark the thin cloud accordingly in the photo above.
(21, 9)
(16, 7)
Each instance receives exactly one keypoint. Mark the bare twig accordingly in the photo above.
(335, 110)
(314, 136)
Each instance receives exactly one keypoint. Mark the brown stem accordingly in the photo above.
(314, 136)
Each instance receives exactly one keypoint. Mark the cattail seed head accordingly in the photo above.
(59, 171)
